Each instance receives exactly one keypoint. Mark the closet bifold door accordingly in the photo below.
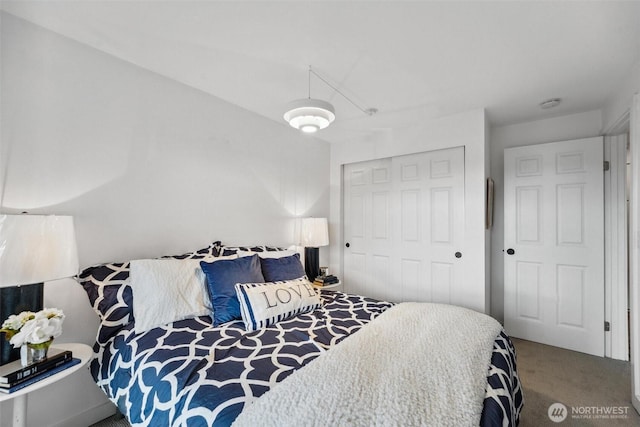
(404, 221)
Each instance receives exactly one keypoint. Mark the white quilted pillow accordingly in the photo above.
(167, 290)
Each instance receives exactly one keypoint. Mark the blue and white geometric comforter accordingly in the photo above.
(190, 373)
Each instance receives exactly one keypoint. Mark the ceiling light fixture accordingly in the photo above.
(550, 103)
(310, 115)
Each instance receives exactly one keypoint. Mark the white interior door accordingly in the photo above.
(367, 227)
(429, 198)
(403, 224)
(554, 244)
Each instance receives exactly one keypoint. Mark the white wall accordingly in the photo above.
(147, 166)
(619, 103)
(562, 128)
(465, 129)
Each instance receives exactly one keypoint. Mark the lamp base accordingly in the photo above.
(312, 263)
(14, 300)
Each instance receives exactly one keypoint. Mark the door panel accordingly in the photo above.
(528, 283)
(570, 288)
(554, 242)
(442, 275)
(441, 216)
(528, 215)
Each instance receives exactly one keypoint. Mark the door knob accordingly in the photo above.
(510, 251)
(347, 244)
(458, 254)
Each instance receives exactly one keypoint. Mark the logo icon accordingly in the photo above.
(557, 412)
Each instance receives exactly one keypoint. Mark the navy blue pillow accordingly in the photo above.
(279, 269)
(222, 277)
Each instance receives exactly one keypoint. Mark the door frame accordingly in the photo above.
(634, 250)
(616, 262)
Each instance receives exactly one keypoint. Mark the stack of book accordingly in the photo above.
(14, 376)
(325, 280)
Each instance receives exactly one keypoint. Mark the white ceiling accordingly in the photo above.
(410, 60)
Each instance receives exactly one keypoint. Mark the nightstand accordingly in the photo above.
(80, 351)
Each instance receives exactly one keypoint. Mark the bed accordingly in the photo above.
(324, 364)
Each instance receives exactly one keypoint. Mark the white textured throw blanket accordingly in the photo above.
(417, 364)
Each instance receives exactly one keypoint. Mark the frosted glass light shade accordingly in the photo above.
(310, 115)
(314, 232)
(36, 248)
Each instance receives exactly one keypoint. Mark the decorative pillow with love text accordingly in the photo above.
(263, 304)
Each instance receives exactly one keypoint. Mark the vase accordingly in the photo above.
(33, 353)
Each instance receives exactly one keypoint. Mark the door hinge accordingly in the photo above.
(607, 326)
(606, 165)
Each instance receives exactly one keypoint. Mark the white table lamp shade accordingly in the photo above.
(36, 248)
(314, 232)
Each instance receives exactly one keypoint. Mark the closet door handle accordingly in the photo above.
(348, 244)
(458, 254)
(510, 251)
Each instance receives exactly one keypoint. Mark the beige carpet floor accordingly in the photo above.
(551, 375)
(113, 421)
(588, 386)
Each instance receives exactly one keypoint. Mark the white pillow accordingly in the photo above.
(263, 304)
(268, 254)
(168, 290)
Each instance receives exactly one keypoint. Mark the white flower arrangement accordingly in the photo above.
(33, 328)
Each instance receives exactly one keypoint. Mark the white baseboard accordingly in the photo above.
(90, 416)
